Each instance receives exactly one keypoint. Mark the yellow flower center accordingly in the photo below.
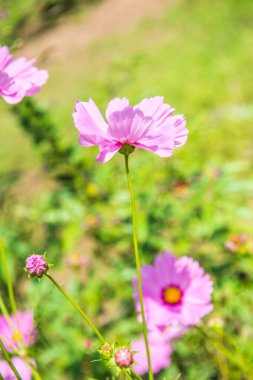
(172, 295)
(17, 337)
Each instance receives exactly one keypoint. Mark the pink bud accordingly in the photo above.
(36, 265)
(123, 357)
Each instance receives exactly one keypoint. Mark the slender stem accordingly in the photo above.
(8, 280)
(136, 374)
(4, 310)
(80, 311)
(1, 377)
(10, 288)
(127, 375)
(34, 370)
(138, 268)
(8, 359)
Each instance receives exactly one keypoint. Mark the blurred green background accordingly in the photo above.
(55, 197)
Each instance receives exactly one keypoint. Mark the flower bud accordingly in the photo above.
(123, 357)
(106, 350)
(36, 266)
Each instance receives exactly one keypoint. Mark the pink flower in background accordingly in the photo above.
(15, 333)
(21, 366)
(175, 290)
(19, 77)
(148, 125)
(160, 351)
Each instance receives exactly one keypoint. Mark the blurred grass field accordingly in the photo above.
(197, 54)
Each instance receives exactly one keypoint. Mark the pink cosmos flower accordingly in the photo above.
(21, 366)
(148, 125)
(175, 290)
(19, 77)
(160, 351)
(19, 331)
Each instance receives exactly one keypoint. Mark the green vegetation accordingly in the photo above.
(199, 56)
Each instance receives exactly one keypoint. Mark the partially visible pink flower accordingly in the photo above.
(21, 366)
(19, 331)
(123, 357)
(36, 265)
(175, 290)
(160, 351)
(149, 125)
(19, 77)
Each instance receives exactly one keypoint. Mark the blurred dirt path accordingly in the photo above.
(108, 17)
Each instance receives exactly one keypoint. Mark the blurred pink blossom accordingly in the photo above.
(19, 330)
(148, 125)
(19, 77)
(175, 291)
(160, 351)
(21, 366)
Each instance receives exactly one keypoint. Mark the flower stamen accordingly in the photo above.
(172, 295)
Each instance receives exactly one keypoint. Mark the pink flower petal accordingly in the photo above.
(120, 124)
(116, 105)
(155, 108)
(90, 123)
(108, 152)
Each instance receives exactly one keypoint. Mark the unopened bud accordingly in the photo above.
(106, 350)
(123, 357)
(36, 265)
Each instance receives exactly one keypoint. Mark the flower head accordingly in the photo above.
(19, 77)
(160, 351)
(21, 366)
(36, 265)
(175, 291)
(123, 357)
(18, 331)
(148, 125)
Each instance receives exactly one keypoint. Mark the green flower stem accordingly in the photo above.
(5, 312)
(8, 359)
(138, 268)
(9, 285)
(1, 377)
(34, 370)
(127, 375)
(8, 280)
(80, 311)
(136, 374)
